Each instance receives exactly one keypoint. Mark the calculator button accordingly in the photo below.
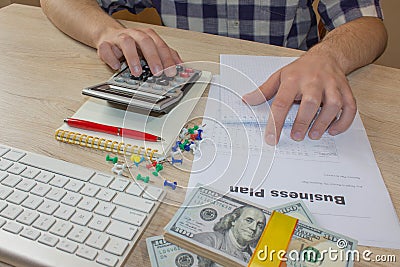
(162, 82)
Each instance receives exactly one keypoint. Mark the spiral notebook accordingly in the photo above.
(167, 126)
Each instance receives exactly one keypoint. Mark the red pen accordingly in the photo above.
(93, 126)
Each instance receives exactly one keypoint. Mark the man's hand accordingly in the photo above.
(317, 81)
(134, 44)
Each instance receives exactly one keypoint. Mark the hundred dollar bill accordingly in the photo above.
(226, 230)
(165, 254)
(296, 209)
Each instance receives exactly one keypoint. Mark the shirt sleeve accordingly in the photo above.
(133, 6)
(335, 13)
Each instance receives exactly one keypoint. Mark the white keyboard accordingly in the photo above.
(55, 213)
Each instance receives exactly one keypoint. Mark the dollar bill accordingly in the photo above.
(225, 230)
(296, 209)
(165, 254)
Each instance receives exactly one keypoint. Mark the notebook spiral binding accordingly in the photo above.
(103, 144)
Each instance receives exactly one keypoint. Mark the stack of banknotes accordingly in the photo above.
(214, 229)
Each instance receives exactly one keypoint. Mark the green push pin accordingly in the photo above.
(196, 127)
(113, 159)
(141, 178)
(159, 167)
(191, 130)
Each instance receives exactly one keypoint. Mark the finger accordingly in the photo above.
(106, 54)
(265, 92)
(128, 46)
(117, 52)
(309, 105)
(177, 58)
(164, 52)
(279, 109)
(349, 111)
(332, 104)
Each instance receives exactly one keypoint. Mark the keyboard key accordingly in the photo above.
(5, 191)
(129, 216)
(74, 185)
(79, 234)
(90, 190)
(13, 227)
(3, 205)
(130, 201)
(17, 197)
(2, 222)
(81, 217)
(57, 166)
(122, 230)
(87, 253)
(48, 240)
(59, 181)
(101, 179)
(11, 180)
(88, 203)
(107, 259)
(3, 175)
(30, 172)
(44, 222)
(99, 223)
(11, 212)
(48, 207)
(64, 212)
(153, 193)
(16, 168)
(106, 194)
(26, 185)
(97, 240)
(135, 189)
(3, 150)
(5, 164)
(44, 177)
(30, 233)
(56, 194)
(61, 228)
(41, 189)
(32, 202)
(116, 246)
(14, 155)
(67, 246)
(71, 199)
(104, 209)
(27, 217)
(119, 184)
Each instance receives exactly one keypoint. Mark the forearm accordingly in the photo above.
(354, 44)
(83, 20)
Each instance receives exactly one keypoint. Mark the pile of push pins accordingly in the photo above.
(189, 140)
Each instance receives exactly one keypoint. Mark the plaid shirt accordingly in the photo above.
(290, 23)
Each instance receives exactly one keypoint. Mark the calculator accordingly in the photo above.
(146, 92)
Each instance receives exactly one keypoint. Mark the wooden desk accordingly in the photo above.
(42, 73)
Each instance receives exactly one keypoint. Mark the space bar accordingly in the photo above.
(57, 166)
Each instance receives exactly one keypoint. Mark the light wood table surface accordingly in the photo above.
(42, 73)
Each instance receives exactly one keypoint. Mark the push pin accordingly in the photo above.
(183, 133)
(113, 159)
(155, 173)
(118, 168)
(194, 149)
(141, 178)
(191, 131)
(159, 167)
(199, 131)
(173, 161)
(173, 185)
(149, 166)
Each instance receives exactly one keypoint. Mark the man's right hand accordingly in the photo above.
(134, 44)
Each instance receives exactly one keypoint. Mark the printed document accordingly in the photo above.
(337, 176)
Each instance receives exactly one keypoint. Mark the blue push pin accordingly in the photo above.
(199, 131)
(173, 161)
(173, 185)
(138, 162)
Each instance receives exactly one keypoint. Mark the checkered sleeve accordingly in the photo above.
(335, 13)
(133, 6)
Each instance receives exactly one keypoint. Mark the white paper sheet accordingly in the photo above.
(337, 177)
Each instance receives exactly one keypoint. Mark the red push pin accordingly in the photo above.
(189, 70)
